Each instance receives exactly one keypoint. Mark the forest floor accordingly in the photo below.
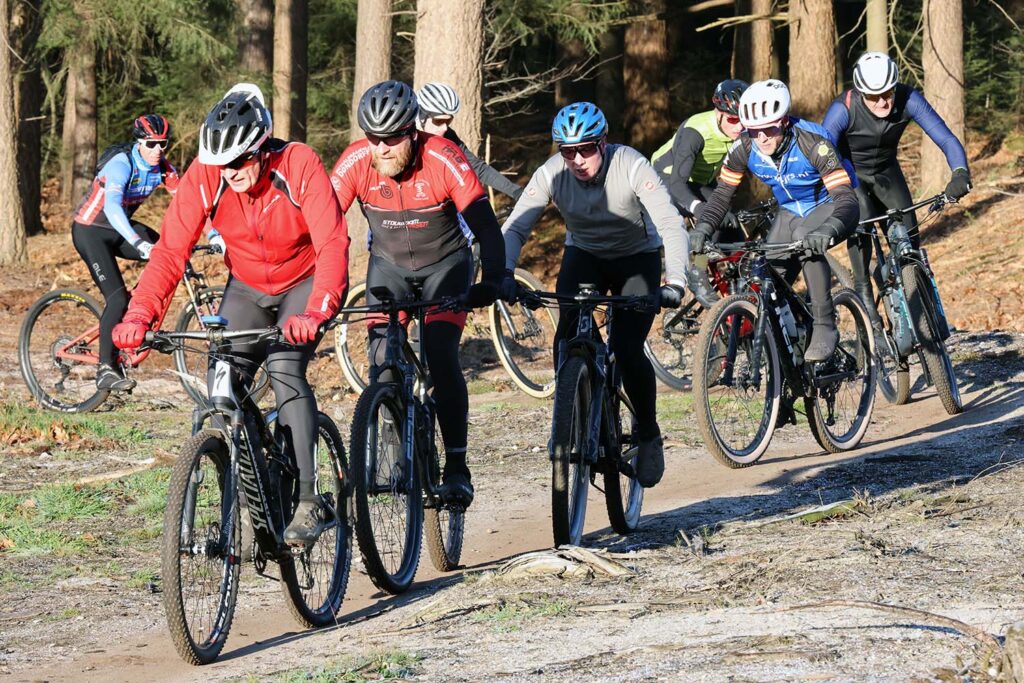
(914, 576)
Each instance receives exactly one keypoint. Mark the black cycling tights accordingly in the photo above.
(100, 247)
(789, 227)
(876, 194)
(635, 275)
(296, 430)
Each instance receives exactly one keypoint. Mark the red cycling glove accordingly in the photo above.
(130, 332)
(303, 328)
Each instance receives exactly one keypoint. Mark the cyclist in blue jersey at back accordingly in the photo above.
(103, 229)
(812, 184)
(866, 123)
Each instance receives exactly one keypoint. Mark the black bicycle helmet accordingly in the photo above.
(387, 108)
(237, 125)
(151, 127)
(727, 95)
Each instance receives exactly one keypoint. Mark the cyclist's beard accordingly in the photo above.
(394, 165)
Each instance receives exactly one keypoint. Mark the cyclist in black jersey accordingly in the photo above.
(866, 123)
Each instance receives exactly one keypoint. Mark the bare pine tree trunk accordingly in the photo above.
(373, 52)
(449, 44)
(26, 22)
(256, 39)
(742, 55)
(609, 84)
(291, 63)
(67, 136)
(13, 245)
(878, 26)
(812, 58)
(762, 42)
(942, 56)
(84, 135)
(645, 63)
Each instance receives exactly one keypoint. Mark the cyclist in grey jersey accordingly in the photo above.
(618, 213)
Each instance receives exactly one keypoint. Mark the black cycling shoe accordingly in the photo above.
(456, 488)
(650, 461)
(868, 298)
(110, 379)
(307, 524)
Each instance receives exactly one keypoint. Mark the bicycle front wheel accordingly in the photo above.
(840, 410)
(893, 371)
(200, 557)
(736, 393)
(623, 495)
(444, 526)
(570, 471)
(316, 579)
(669, 346)
(388, 504)
(924, 314)
(524, 340)
(58, 351)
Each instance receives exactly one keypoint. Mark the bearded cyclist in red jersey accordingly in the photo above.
(412, 186)
(273, 205)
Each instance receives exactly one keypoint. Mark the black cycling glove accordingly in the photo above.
(699, 235)
(959, 184)
(819, 241)
(671, 296)
(508, 289)
(481, 295)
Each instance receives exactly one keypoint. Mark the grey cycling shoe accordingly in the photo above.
(309, 522)
(111, 379)
(650, 461)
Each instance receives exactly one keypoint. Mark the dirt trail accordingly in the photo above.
(917, 443)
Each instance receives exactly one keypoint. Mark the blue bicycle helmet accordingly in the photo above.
(578, 122)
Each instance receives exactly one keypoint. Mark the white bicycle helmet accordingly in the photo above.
(237, 125)
(875, 73)
(438, 99)
(764, 103)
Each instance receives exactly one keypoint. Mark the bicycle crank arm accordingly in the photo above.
(821, 381)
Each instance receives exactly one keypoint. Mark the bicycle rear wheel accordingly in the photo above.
(840, 410)
(315, 579)
(570, 472)
(524, 340)
(388, 503)
(623, 495)
(736, 414)
(841, 275)
(444, 526)
(200, 573)
(352, 341)
(924, 314)
(58, 351)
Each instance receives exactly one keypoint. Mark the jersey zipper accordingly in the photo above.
(405, 219)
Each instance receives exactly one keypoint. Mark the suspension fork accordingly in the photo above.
(760, 329)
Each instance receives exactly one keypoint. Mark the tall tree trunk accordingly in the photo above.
(256, 38)
(645, 65)
(26, 22)
(762, 42)
(569, 90)
(449, 46)
(13, 245)
(812, 57)
(373, 53)
(942, 56)
(878, 26)
(742, 49)
(83, 69)
(609, 85)
(291, 63)
(67, 136)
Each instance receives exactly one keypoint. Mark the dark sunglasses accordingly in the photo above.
(155, 144)
(240, 161)
(586, 151)
(390, 140)
(888, 94)
(732, 120)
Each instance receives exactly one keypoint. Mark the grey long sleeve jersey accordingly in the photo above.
(624, 210)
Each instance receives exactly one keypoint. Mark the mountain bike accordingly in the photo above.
(915, 321)
(234, 456)
(396, 465)
(522, 338)
(593, 426)
(58, 346)
(670, 343)
(752, 371)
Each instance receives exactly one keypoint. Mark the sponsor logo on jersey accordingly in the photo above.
(351, 160)
(421, 189)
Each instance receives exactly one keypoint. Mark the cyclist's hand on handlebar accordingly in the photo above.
(144, 248)
(508, 290)
(698, 236)
(218, 241)
(303, 328)
(481, 295)
(671, 296)
(130, 332)
(959, 184)
(817, 243)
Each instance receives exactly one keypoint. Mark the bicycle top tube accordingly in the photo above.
(581, 299)
(936, 201)
(443, 303)
(757, 247)
(158, 339)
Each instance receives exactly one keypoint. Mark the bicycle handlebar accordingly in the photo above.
(937, 202)
(166, 342)
(647, 301)
(758, 247)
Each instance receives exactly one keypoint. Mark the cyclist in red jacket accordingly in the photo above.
(412, 186)
(273, 205)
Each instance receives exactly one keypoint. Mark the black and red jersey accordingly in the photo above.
(414, 217)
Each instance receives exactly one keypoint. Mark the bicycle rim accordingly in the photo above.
(58, 360)
(523, 340)
(444, 527)
(388, 507)
(933, 351)
(624, 497)
(570, 473)
(352, 342)
(200, 573)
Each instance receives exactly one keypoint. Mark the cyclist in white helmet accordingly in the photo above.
(439, 103)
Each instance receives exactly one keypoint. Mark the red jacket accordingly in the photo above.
(413, 218)
(285, 229)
